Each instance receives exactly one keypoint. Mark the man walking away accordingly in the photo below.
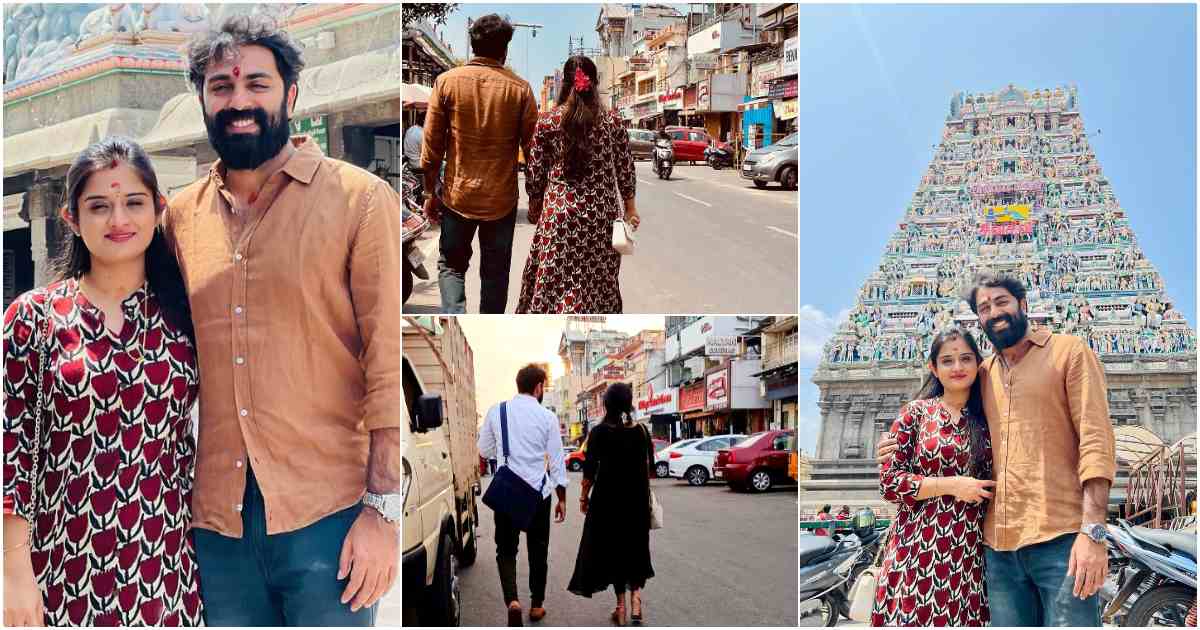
(478, 116)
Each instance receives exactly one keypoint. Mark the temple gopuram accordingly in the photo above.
(1014, 187)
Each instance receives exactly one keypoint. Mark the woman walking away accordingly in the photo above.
(99, 381)
(939, 476)
(580, 179)
(615, 497)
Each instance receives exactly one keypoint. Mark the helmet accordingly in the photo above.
(863, 522)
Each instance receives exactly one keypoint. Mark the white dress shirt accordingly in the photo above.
(533, 436)
(412, 144)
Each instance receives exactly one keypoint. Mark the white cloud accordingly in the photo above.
(815, 328)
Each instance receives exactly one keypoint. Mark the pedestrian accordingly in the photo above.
(292, 261)
(823, 516)
(413, 139)
(844, 513)
(580, 180)
(939, 479)
(535, 454)
(614, 496)
(479, 115)
(118, 312)
(1045, 394)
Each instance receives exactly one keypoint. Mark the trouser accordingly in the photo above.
(495, 259)
(1030, 587)
(537, 543)
(287, 579)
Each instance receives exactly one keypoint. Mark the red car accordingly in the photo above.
(574, 460)
(757, 463)
(689, 143)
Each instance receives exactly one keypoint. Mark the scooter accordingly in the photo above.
(413, 225)
(664, 158)
(1152, 577)
(719, 156)
(826, 566)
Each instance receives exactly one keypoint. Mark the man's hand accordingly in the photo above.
(886, 447)
(560, 512)
(1088, 565)
(369, 556)
(970, 489)
(433, 210)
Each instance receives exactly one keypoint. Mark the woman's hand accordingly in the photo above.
(583, 505)
(631, 215)
(970, 489)
(22, 597)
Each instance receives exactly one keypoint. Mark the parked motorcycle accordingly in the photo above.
(664, 158)
(1152, 577)
(719, 156)
(413, 225)
(826, 573)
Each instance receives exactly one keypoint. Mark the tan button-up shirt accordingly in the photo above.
(296, 305)
(1050, 430)
(478, 115)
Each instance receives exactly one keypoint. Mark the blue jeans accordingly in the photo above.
(495, 259)
(1030, 587)
(287, 579)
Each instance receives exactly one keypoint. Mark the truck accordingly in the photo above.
(440, 468)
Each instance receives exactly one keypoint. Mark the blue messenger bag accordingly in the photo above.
(508, 493)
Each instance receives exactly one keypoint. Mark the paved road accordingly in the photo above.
(723, 559)
(710, 242)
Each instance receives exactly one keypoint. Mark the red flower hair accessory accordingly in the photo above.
(582, 82)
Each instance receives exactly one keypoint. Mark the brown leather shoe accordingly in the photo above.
(514, 615)
(537, 613)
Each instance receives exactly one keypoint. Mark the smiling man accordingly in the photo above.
(292, 264)
(1054, 457)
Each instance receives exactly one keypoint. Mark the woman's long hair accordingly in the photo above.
(162, 270)
(581, 109)
(976, 420)
(618, 403)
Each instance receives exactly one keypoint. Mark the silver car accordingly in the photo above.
(773, 163)
(641, 143)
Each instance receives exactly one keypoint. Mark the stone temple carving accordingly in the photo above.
(1014, 186)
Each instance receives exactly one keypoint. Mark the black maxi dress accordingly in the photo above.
(615, 546)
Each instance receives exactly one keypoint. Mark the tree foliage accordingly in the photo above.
(434, 13)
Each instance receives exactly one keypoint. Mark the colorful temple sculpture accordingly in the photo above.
(1013, 187)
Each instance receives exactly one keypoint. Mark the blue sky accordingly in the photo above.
(875, 88)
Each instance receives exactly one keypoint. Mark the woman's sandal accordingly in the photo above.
(618, 615)
(635, 617)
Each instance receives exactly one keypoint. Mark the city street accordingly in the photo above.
(722, 559)
(710, 242)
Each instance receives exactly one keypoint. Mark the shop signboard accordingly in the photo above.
(638, 63)
(761, 76)
(791, 57)
(716, 390)
(658, 402)
(691, 397)
(721, 345)
(671, 100)
(786, 109)
(783, 89)
(314, 126)
(702, 96)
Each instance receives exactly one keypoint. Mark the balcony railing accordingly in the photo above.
(781, 352)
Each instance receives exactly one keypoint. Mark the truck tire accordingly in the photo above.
(442, 599)
(470, 547)
(1172, 601)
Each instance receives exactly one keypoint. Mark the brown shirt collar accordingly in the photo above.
(302, 166)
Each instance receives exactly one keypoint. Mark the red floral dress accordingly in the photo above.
(572, 267)
(933, 568)
(111, 544)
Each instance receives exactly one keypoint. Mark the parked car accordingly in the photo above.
(659, 444)
(694, 462)
(689, 143)
(757, 463)
(574, 460)
(773, 163)
(661, 466)
(641, 143)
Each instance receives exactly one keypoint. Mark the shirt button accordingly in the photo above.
(237, 464)
(238, 507)
(237, 256)
(238, 310)
(240, 360)
(245, 413)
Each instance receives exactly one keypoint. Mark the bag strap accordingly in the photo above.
(43, 346)
(504, 429)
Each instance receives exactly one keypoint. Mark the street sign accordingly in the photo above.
(315, 126)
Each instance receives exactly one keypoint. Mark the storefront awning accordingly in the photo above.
(59, 144)
(360, 80)
(414, 95)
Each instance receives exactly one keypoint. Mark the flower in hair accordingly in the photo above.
(582, 82)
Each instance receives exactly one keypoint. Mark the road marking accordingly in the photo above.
(649, 183)
(703, 203)
(772, 227)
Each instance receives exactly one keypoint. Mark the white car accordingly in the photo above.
(694, 462)
(661, 466)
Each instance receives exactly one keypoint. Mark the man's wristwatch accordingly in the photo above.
(389, 506)
(1096, 532)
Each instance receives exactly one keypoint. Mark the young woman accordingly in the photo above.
(580, 179)
(939, 477)
(98, 463)
(615, 497)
